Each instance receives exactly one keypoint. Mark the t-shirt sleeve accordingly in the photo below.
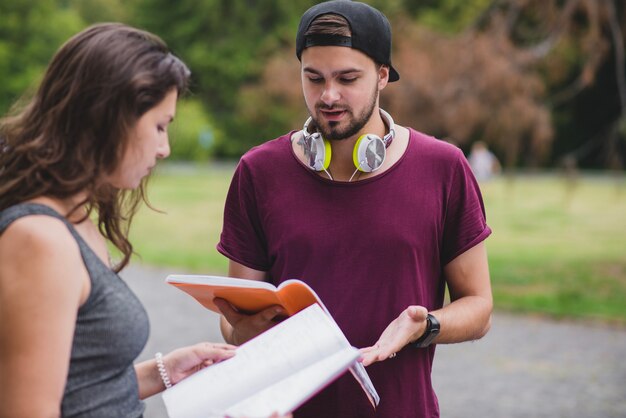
(465, 222)
(242, 239)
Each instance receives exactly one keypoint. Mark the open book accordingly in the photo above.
(248, 296)
(276, 371)
(251, 296)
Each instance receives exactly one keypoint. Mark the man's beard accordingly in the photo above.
(355, 124)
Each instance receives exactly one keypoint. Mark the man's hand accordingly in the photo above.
(246, 327)
(407, 327)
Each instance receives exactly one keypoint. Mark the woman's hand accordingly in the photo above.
(407, 327)
(185, 361)
(179, 364)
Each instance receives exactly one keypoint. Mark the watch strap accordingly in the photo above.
(432, 330)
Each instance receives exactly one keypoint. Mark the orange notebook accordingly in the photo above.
(248, 296)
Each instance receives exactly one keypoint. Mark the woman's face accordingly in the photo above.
(148, 143)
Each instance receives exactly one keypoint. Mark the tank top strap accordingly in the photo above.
(12, 213)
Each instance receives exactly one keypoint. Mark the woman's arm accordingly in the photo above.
(42, 284)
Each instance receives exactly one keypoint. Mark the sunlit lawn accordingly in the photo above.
(184, 237)
(558, 248)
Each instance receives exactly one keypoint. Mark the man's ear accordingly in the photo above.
(383, 76)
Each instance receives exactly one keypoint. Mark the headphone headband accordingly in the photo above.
(368, 153)
(387, 139)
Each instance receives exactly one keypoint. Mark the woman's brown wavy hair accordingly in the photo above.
(73, 133)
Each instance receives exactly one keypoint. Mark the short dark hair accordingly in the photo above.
(75, 129)
(329, 24)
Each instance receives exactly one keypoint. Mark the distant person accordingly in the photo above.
(72, 169)
(484, 163)
(377, 218)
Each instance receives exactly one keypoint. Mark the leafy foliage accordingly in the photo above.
(226, 43)
(93, 11)
(30, 31)
(542, 81)
(192, 134)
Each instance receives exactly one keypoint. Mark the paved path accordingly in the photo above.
(525, 367)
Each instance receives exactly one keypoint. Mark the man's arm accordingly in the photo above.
(466, 317)
(238, 328)
(242, 272)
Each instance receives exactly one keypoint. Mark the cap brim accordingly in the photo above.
(393, 74)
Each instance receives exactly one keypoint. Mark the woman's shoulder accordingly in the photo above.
(35, 238)
(39, 258)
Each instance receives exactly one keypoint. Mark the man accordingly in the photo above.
(376, 218)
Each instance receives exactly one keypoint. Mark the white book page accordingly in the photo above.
(288, 394)
(361, 376)
(297, 342)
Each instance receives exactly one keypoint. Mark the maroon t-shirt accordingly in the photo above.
(369, 249)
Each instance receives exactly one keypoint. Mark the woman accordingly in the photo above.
(72, 167)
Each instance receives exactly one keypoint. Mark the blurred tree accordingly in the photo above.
(542, 81)
(227, 44)
(93, 11)
(578, 48)
(30, 32)
(447, 16)
(192, 134)
(470, 87)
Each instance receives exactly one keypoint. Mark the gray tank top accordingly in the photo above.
(111, 330)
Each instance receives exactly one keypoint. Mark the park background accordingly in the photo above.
(542, 82)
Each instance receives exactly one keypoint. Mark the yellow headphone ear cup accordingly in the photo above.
(355, 152)
(368, 153)
(327, 152)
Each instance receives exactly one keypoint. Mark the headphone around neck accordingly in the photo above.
(368, 154)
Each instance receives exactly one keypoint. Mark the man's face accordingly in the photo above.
(341, 87)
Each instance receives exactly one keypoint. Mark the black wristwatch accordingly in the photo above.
(432, 330)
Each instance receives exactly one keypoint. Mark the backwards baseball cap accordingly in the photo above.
(371, 32)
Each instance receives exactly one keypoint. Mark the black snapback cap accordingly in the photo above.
(371, 32)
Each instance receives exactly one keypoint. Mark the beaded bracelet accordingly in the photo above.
(162, 372)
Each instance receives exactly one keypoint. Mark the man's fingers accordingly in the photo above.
(271, 313)
(417, 313)
(229, 312)
(224, 306)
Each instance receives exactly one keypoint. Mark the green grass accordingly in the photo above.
(558, 248)
(184, 237)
